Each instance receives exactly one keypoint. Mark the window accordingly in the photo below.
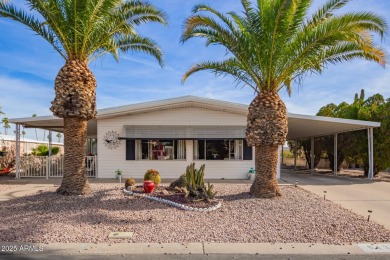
(160, 149)
(218, 149)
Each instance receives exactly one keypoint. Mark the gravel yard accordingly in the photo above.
(298, 216)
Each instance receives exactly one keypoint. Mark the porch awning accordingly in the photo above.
(183, 132)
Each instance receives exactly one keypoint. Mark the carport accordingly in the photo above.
(305, 126)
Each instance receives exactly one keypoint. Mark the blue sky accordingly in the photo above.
(28, 66)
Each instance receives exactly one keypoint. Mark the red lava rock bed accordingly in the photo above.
(296, 217)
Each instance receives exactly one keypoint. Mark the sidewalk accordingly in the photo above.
(292, 249)
(22, 190)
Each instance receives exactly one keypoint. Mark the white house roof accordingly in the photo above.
(300, 126)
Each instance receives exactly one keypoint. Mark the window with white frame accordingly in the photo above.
(218, 149)
(160, 149)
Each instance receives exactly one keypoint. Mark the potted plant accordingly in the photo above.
(118, 175)
(3, 151)
(149, 186)
(4, 170)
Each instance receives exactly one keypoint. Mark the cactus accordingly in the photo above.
(152, 175)
(196, 189)
(129, 182)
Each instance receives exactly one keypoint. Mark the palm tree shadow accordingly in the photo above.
(234, 197)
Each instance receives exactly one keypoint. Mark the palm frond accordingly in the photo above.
(275, 43)
(84, 30)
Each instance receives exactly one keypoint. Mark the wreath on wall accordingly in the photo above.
(111, 140)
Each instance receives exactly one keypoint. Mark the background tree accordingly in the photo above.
(36, 134)
(59, 135)
(374, 108)
(81, 31)
(43, 150)
(6, 125)
(304, 145)
(273, 44)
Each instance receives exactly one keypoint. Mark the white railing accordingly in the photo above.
(43, 166)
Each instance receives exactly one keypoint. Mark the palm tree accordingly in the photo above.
(5, 122)
(36, 134)
(81, 31)
(272, 45)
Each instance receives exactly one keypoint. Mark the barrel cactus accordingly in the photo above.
(130, 182)
(152, 175)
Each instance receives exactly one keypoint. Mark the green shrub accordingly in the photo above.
(152, 175)
(43, 150)
(129, 182)
(180, 183)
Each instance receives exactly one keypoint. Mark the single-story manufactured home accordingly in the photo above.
(169, 134)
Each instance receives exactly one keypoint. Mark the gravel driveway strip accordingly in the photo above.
(298, 216)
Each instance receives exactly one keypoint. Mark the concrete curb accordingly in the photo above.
(181, 248)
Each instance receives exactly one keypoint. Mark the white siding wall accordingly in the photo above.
(110, 160)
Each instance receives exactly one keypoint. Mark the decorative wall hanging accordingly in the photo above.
(111, 140)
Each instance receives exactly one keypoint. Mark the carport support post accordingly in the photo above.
(48, 172)
(370, 137)
(17, 150)
(335, 154)
(295, 154)
(312, 155)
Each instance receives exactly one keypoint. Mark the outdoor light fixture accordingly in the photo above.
(324, 194)
(369, 211)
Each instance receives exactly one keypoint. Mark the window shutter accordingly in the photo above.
(247, 151)
(130, 149)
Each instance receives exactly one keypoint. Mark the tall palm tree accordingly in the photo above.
(81, 31)
(36, 134)
(59, 137)
(272, 45)
(6, 125)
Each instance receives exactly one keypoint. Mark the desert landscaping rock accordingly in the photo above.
(297, 216)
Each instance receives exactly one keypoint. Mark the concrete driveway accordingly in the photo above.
(358, 195)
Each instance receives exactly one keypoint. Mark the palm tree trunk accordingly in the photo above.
(75, 101)
(265, 184)
(266, 130)
(75, 181)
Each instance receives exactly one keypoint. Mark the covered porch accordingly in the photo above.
(51, 166)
